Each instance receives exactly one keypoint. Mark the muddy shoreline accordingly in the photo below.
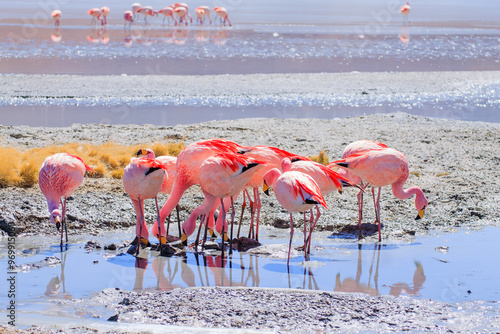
(454, 162)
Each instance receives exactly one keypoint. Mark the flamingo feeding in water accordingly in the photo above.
(183, 5)
(96, 15)
(128, 17)
(105, 12)
(222, 13)
(383, 167)
(56, 15)
(220, 176)
(181, 13)
(188, 164)
(206, 12)
(168, 12)
(143, 179)
(295, 191)
(58, 178)
(353, 148)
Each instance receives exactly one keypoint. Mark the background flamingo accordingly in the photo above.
(206, 11)
(222, 13)
(184, 5)
(181, 13)
(405, 10)
(295, 191)
(128, 17)
(143, 179)
(105, 12)
(381, 168)
(96, 15)
(58, 178)
(168, 12)
(56, 15)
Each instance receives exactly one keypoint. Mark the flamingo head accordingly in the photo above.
(146, 153)
(270, 179)
(105, 10)
(420, 203)
(56, 217)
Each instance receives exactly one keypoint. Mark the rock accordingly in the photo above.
(113, 318)
(110, 247)
(243, 244)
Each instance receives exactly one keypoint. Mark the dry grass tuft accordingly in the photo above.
(321, 158)
(108, 160)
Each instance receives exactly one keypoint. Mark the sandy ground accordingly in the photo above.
(454, 162)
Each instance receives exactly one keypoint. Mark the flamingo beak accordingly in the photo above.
(184, 239)
(420, 214)
(265, 188)
(58, 223)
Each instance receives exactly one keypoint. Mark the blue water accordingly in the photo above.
(452, 267)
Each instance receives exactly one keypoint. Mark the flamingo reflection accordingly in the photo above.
(404, 35)
(56, 36)
(98, 36)
(54, 286)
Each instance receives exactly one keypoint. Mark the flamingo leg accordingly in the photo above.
(243, 206)
(223, 221)
(258, 205)
(305, 235)
(202, 218)
(178, 220)
(377, 212)
(141, 212)
(233, 213)
(159, 227)
(251, 231)
(360, 215)
(291, 237)
(205, 218)
(313, 225)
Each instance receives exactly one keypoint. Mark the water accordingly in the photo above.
(453, 268)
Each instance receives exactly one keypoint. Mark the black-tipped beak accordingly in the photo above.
(58, 226)
(420, 214)
(265, 188)
(184, 239)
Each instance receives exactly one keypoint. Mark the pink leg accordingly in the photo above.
(251, 231)
(243, 206)
(258, 205)
(178, 189)
(377, 212)
(305, 235)
(291, 237)
(313, 225)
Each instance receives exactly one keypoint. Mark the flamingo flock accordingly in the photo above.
(178, 13)
(224, 170)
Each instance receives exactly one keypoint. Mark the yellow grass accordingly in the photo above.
(321, 158)
(20, 168)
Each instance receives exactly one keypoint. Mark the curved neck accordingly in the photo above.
(399, 192)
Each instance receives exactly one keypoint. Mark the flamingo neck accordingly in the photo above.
(399, 192)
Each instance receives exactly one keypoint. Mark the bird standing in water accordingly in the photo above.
(58, 178)
(384, 167)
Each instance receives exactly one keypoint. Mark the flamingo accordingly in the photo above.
(105, 12)
(147, 10)
(181, 12)
(188, 164)
(168, 12)
(183, 5)
(96, 15)
(56, 15)
(58, 178)
(222, 12)
(199, 13)
(327, 180)
(222, 175)
(206, 11)
(128, 17)
(405, 10)
(353, 148)
(383, 167)
(135, 8)
(295, 191)
(143, 179)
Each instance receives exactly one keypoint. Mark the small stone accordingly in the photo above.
(442, 249)
(110, 247)
(113, 318)
(95, 262)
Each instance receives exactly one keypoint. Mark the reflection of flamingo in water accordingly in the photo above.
(354, 285)
(56, 36)
(404, 35)
(54, 286)
(418, 281)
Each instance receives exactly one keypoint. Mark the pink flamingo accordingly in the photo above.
(143, 179)
(96, 15)
(56, 15)
(327, 180)
(383, 167)
(405, 10)
(58, 178)
(353, 148)
(128, 17)
(222, 175)
(206, 12)
(295, 191)
(168, 12)
(181, 13)
(135, 8)
(105, 12)
(147, 10)
(188, 164)
(183, 5)
(222, 13)
(199, 13)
